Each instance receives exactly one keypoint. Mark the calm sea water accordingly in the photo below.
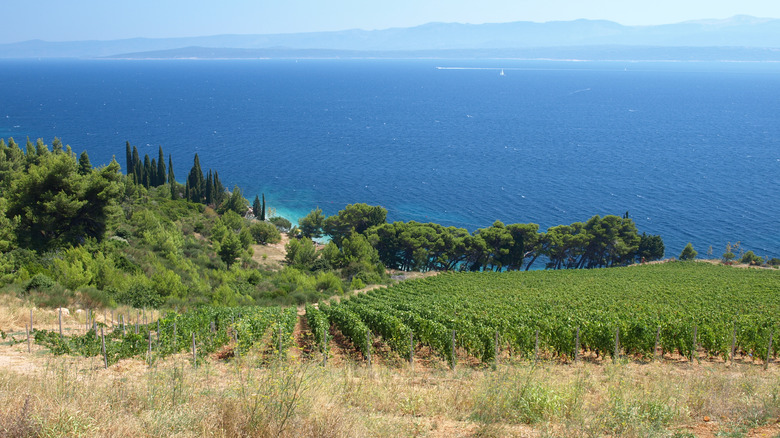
(690, 150)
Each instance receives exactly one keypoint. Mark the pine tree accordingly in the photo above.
(84, 165)
(160, 168)
(56, 145)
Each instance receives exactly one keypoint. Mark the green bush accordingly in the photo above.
(40, 282)
(264, 233)
(281, 223)
(139, 295)
(751, 259)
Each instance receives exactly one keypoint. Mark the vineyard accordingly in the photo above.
(677, 308)
(199, 331)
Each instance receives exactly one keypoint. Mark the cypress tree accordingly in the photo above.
(129, 158)
(147, 171)
(153, 177)
(195, 179)
(256, 206)
(160, 168)
(84, 165)
(219, 189)
(262, 210)
(187, 191)
(209, 188)
(171, 178)
(137, 169)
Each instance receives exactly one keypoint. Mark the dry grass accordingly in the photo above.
(48, 396)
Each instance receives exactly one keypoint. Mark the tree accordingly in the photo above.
(256, 206)
(262, 209)
(84, 165)
(354, 218)
(230, 248)
(728, 256)
(301, 254)
(264, 233)
(235, 202)
(196, 182)
(311, 224)
(160, 168)
(688, 253)
(751, 258)
(128, 158)
(651, 247)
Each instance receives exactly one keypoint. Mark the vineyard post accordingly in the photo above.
(657, 339)
(194, 352)
(103, 347)
(280, 342)
(536, 347)
(174, 336)
(733, 343)
(495, 351)
(144, 314)
(157, 341)
(368, 347)
(324, 347)
(617, 345)
(453, 350)
(94, 327)
(150, 348)
(60, 322)
(27, 332)
(411, 349)
(577, 347)
(124, 328)
(769, 349)
(693, 347)
(31, 321)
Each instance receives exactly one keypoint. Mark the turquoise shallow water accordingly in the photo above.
(691, 150)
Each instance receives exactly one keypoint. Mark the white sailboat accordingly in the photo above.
(502, 72)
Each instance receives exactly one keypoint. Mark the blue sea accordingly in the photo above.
(690, 150)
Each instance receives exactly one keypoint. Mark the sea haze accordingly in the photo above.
(690, 150)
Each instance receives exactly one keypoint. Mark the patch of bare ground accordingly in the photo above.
(271, 255)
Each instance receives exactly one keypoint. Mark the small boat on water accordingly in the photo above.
(502, 72)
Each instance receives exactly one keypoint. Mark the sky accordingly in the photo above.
(73, 20)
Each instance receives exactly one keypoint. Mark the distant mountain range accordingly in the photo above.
(736, 38)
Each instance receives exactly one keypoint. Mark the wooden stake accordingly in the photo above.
(368, 347)
(60, 322)
(27, 332)
(124, 329)
(617, 345)
(31, 322)
(657, 340)
(495, 350)
(577, 346)
(174, 336)
(453, 350)
(733, 343)
(324, 347)
(536, 347)
(768, 350)
(411, 349)
(693, 347)
(150, 347)
(103, 347)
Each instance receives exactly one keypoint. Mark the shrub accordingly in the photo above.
(40, 282)
(264, 233)
(281, 223)
(751, 259)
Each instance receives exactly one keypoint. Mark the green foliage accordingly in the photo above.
(40, 282)
(141, 294)
(354, 218)
(688, 253)
(301, 253)
(235, 203)
(638, 301)
(311, 225)
(264, 233)
(230, 248)
(751, 259)
(281, 223)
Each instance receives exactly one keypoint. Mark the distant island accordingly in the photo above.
(740, 38)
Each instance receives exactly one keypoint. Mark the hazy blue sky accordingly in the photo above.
(66, 20)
